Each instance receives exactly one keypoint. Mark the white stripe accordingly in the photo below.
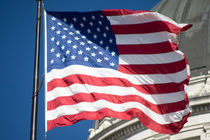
(95, 106)
(115, 90)
(148, 38)
(105, 72)
(141, 18)
(162, 58)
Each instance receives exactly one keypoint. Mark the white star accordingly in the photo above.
(71, 33)
(107, 28)
(67, 52)
(84, 18)
(69, 41)
(53, 28)
(51, 61)
(93, 54)
(59, 23)
(71, 25)
(89, 31)
(91, 23)
(86, 58)
(76, 38)
(63, 59)
(52, 50)
(80, 52)
(58, 55)
(95, 47)
(87, 49)
(99, 22)
(104, 34)
(64, 36)
(110, 40)
(73, 57)
(75, 19)
(63, 47)
(53, 38)
(89, 42)
(101, 53)
(95, 36)
(107, 48)
(101, 42)
(75, 46)
(98, 60)
(98, 29)
(106, 58)
(82, 43)
(93, 17)
(58, 43)
(113, 53)
(58, 32)
(65, 29)
(101, 16)
(64, 19)
(84, 37)
(77, 32)
(53, 18)
(112, 64)
(81, 24)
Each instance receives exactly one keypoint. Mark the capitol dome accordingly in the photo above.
(195, 43)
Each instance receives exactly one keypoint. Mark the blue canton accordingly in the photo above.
(80, 38)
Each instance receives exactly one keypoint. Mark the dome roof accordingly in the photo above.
(195, 42)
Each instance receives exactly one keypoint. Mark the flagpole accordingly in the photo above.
(36, 74)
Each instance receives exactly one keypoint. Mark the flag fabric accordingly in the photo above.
(115, 63)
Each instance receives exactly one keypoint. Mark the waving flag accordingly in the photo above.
(115, 63)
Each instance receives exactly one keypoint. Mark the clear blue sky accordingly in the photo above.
(17, 41)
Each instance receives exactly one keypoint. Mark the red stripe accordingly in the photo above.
(150, 27)
(84, 97)
(118, 12)
(171, 128)
(188, 26)
(97, 81)
(153, 68)
(127, 115)
(155, 48)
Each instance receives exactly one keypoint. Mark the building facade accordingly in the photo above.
(195, 43)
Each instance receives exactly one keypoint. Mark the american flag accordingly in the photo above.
(115, 63)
